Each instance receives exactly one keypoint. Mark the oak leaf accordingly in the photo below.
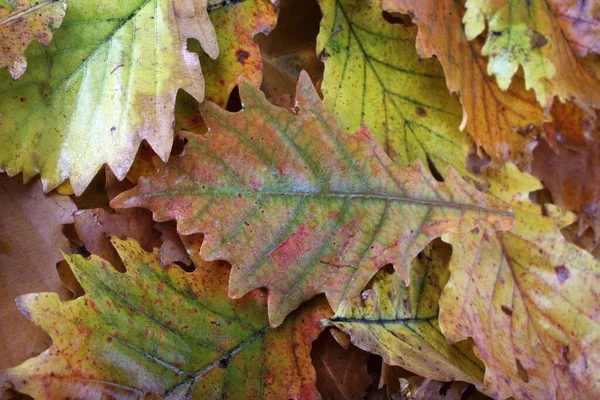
(160, 330)
(22, 22)
(107, 81)
(493, 117)
(300, 207)
(341, 372)
(545, 38)
(527, 298)
(373, 74)
(401, 324)
(236, 24)
(31, 240)
(571, 177)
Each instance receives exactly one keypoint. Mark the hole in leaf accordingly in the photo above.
(522, 371)
(434, 171)
(234, 103)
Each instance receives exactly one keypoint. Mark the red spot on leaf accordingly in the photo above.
(242, 56)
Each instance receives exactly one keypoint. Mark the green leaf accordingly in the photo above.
(401, 324)
(107, 81)
(300, 207)
(162, 330)
(373, 74)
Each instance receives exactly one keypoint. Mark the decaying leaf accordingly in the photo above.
(572, 176)
(300, 207)
(164, 331)
(571, 126)
(236, 23)
(24, 21)
(341, 373)
(373, 74)
(492, 116)
(544, 37)
(107, 81)
(528, 299)
(172, 249)
(94, 228)
(290, 49)
(31, 240)
(401, 324)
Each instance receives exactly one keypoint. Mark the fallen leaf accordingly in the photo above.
(493, 117)
(290, 49)
(236, 23)
(572, 176)
(571, 126)
(298, 206)
(94, 228)
(545, 38)
(341, 373)
(31, 236)
(373, 74)
(22, 22)
(527, 298)
(107, 81)
(172, 249)
(164, 331)
(401, 324)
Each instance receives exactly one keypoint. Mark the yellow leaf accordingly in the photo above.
(499, 121)
(401, 324)
(19, 25)
(528, 299)
(545, 37)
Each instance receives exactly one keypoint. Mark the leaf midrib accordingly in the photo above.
(29, 10)
(340, 195)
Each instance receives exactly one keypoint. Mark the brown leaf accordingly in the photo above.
(95, 226)
(573, 180)
(31, 240)
(341, 373)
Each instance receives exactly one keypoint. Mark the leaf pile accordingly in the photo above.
(280, 199)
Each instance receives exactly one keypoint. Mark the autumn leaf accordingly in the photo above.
(568, 176)
(545, 39)
(107, 81)
(95, 227)
(341, 373)
(31, 240)
(373, 74)
(298, 206)
(236, 23)
(571, 126)
(493, 117)
(161, 330)
(401, 324)
(22, 22)
(526, 297)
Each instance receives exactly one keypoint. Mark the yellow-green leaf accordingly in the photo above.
(498, 121)
(373, 74)
(106, 82)
(23, 21)
(528, 299)
(545, 38)
(401, 323)
(164, 331)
